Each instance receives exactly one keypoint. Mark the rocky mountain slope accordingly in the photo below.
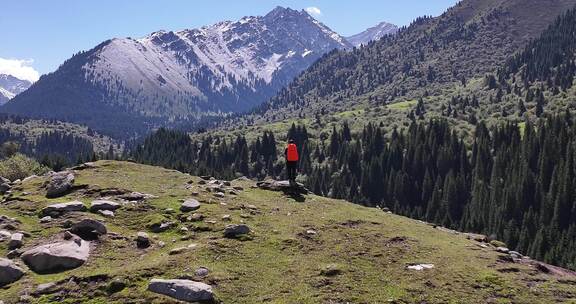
(117, 232)
(372, 34)
(11, 86)
(129, 85)
(431, 59)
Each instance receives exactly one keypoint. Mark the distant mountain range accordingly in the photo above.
(11, 86)
(372, 34)
(126, 86)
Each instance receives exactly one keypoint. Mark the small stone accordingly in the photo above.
(115, 286)
(142, 240)
(196, 217)
(503, 249)
(59, 209)
(45, 288)
(219, 195)
(190, 205)
(226, 217)
(9, 272)
(331, 270)
(237, 188)
(201, 272)
(60, 183)
(195, 193)
(12, 254)
(183, 290)
(226, 183)
(15, 241)
(252, 207)
(161, 244)
(106, 213)
(46, 219)
(311, 232)
(97, 205)
(233, 231)
(89, 229)
(68, 235)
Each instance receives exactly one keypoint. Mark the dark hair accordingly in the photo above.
(291, 141)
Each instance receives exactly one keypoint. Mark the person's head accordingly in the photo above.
(290, 141)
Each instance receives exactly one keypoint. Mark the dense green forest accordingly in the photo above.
(517, 187)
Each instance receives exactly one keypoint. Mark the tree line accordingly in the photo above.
(518, 186)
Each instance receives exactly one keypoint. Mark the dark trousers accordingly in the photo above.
(291, 167)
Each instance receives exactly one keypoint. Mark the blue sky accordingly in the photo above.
(38, 35)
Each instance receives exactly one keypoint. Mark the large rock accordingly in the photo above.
(190, 205)
(60, 183)
(57, 257)
(183, 290)
(89, 229)
(233, 231)
(9, 272)
(97, 205)
(59, 209)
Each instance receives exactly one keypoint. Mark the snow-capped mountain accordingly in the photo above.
(11, 86)
(373, 33)
(170, 76)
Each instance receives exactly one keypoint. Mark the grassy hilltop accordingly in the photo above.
(306, 249)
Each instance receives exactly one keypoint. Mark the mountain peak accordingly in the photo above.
(373, 33)
(283, 12)
(11, 86)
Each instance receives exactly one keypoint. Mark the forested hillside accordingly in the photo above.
(516, 186)
(443, 61)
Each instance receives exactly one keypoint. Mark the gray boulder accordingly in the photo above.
(233, 231)
(5, 185)
(89, 229)
(59, 209)
(60, 183)
(183, 290)
(190, 205)
(97, 205)
(57, 257)
(9, 272)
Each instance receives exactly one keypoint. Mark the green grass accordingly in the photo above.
(279, 263)
(403, 105)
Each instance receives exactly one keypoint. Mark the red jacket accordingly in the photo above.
(291, 153)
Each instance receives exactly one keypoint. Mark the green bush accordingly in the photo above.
(20, 166)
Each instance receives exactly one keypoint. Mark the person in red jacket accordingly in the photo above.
(291, 154)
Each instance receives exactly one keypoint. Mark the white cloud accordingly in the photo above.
(314, 11)
(19, 68)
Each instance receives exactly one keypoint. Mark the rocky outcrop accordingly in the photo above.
(183, 290)
(61, 208)
(60, 183)
(9, 272)
(282, 186)
(57, 257)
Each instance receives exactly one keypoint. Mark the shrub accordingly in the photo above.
(20, 166)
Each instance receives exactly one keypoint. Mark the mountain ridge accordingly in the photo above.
(169, 76)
